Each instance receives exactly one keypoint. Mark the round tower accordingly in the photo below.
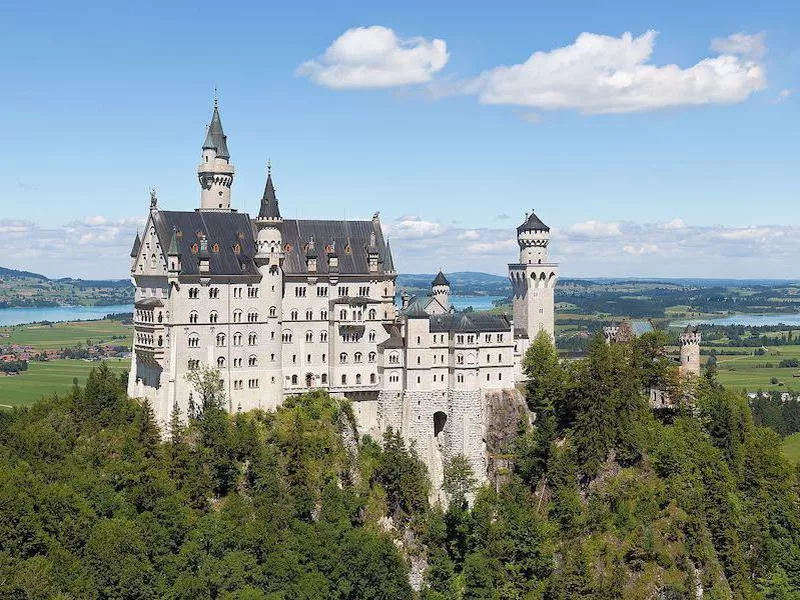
(440, 290)
(533, 282)
(269, 260)
(215, 171)
(690, 351)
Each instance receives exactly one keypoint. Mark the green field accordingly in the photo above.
(744, 372)
(44, 378)
(66, 335)
(791, 447)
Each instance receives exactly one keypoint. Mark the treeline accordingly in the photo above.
(602, 498)
(13, 366)
(770, 410)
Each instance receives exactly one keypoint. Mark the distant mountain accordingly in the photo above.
(21, 274)
(461, 282)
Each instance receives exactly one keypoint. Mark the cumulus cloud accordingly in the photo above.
(91, 247)
(613, 248)
(595, 229)
(605, 74)
(411, 226)
(375, 57)
(742, 44)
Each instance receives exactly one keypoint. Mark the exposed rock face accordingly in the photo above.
(505, 409)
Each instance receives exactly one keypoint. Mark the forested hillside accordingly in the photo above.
(602, 499)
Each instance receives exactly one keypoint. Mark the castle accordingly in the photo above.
(282, 306)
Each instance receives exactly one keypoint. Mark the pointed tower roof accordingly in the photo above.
(269, 201)
(388, 263)
(215, 137)
(137, 245)
(173, 244)
(533, 223)
(440, 279)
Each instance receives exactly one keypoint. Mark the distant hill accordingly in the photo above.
(4, 272)
(461, 282)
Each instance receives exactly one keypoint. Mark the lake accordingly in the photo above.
(476, 302)
(21, 315)
(749, 320)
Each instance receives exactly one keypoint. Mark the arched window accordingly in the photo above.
(212, 317)
(371, 357)
(161, 340)
(293, 315)
(286, 337)
(194, 340)
(371, 336)
(394, 358)
(357, 357)
(193, 317)
(323, 336)
(237, 339)
(358, 379)
(372, 378)
(160, 317)
(324, 378)
(294, 379)
(220, 339)
(343, 315)
(273, 312)
(372, 314)
(252, 339)
(309, 336)
(309, 315)
(252, 361)
(237, 316)
(344, 379)
(343, 357)
(221, 362)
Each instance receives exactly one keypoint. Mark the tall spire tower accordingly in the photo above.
(215, 170)
(533, 282)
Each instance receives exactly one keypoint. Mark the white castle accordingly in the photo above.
(284, 306)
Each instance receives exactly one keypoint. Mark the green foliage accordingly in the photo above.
(93, 504)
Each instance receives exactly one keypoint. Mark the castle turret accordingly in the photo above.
(533, 282)
(440, 290)
(690, 351)
(215, 171)
(269, 260)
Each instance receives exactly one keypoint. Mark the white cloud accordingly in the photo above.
(604, 74)
(741, 44)
(470, 234)
(411, 226)
(595, 229)
(95, 220)
(783, 96)
(374, 57)
(675, 224)
(616, 249)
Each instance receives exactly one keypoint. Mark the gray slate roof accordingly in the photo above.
(354, 235)
(137, 245)
(215, 137)
(533, 223)
(440, 279)
(225, 229)
(463, 322)
(269, 201)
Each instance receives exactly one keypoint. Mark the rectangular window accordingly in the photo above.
(343, 290)
(322, 291)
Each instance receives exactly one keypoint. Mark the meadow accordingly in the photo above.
(748, 371)
(67, 335)
(791, 447)
(42, 379)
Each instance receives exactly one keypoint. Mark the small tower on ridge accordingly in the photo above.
(690, 351)
(215, 171)
(440, 290)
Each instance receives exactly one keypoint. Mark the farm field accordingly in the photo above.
(66, 335)
(791, 447)
(745, 372)
(45, 378)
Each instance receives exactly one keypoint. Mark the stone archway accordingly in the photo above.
(439, 421)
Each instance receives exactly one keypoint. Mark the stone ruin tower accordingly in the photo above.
(690, 351)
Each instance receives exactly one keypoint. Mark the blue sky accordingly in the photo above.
(102, 101)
